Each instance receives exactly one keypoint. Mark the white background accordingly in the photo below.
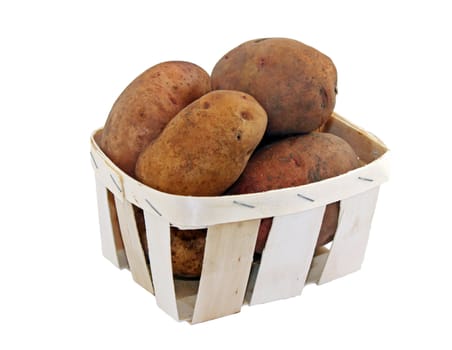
(62, 65)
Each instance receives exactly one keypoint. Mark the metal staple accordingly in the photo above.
(153, 208)
(243, 204)
(115, 183)
(365, 178)
(94, 160)
(304, 197)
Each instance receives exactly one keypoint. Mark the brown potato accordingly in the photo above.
(187, 247)
(205, 147)
(187, 252)
(295, 83)
(146, 105)
(296, 161)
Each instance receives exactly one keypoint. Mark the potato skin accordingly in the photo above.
(295, 161)
(187, 247)
(294, 82)
(205, 147)
(187, 252)
(146, 105)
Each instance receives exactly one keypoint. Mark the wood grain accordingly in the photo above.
(227, 262)
(134, 251)
(287, 256)
(350, 241)
(159, 243)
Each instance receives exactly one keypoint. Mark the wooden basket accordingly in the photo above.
(229, 277)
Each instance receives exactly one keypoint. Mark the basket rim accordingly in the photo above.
(203, 211)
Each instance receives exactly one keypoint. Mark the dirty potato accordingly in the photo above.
(294, 82)
(205, 147)
(187, 252)
(296, 161)
(146, 105)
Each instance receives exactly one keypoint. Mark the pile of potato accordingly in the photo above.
(250, 126)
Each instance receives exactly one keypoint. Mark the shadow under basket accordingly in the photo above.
(230, 277)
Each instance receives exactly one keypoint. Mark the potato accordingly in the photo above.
(146, 105)
(329, 224)
(205, 147)
(295, 83)
(187, 247)
(187, 252)
(295, 161)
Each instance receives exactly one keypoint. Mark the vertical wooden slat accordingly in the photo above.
(111, 242)
(226, 266)
(287, 256)
(159, 243)
(134, 250)
(350, 241)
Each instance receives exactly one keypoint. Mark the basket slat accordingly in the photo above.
(287, 256)
(132, 244)
(159, 243)
(105, 171)
(226, 267)
(109, 239)
(350, 241)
